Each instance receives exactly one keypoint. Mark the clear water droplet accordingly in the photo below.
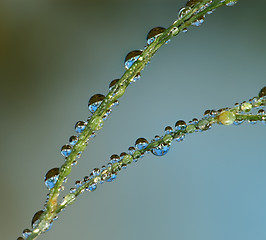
(26, 233)
(127, 159)
(20, 238)
(73, 140)
(51, 177)
(185, 30)
(226, 118)
(183, 11)
(66, 150)
(230, 3)
(72, 190)
(80, 126)
(78, 184)
(156, 138)
(141, 143)
(262, 92)
(154, 33)
(132, 57)
(199, 21)
(136, 78)
(92, 187)
(204, 125)
(180, 125)
(246, 107)
(36, 218)
(261, 112)
(111, 85)
(95, 102)
(111, 178)
(160, 150)
(74, 163)
(180, 137)
(115, 103)
(114, 158)
(131, 150)
(175, 31)
(168, 130)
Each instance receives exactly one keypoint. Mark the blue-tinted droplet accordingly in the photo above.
(51, 177)
(180, 125)
(95, 102)
(73, 140)
(66, 150)
(154, 33)
(114, 158)
(36, 218)
(92, 187)
(80, 126)
(111, 178)
(26, 233)
(141, 143)
(132, 57)
(161, 150)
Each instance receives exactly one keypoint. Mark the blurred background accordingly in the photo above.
(54, 55)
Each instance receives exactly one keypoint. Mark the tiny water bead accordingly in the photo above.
(66, 150)
(261, 112)
(230, 3)
(112, 177)
(183, 11)
(51, 178)
(238, 122)
(26, 233)
(136, 78)
(95, 102)
(114, 158)
(80, 126)
(204, 125)
(111, 85)
(97, 123)
(92, 187)
(246, 107)
(73, 140)
(132, 57)
(36, 218)
(190, 128)
(168, 130)
(262, 92)
(141, 143)
(131, 150)
(180, 125)
(199, 21)
(161, 150)
(96, 172)
(154, 33)
(227, 118)
(78, 183)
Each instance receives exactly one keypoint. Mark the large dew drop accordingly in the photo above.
(80, 126)
(73, 140)
(66, 150)
(141, 143)
(132, 57)
(154, 33)
(95, 102)
(180, 125)
(183, 11)
(36, 218)
(161, 150)
(51, 177)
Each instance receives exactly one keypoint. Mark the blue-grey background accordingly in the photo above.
(55, 55)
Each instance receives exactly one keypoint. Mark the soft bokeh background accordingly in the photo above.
(55, 55)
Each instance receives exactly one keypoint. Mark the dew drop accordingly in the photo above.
(66, 150)
(191, 128)
(111, 85)
(230, 3)
(261, 112)
(204, 125)
(20, 238)
(262, 92)
(160, 150)
(180, 137)
(154, 33)
(199, 21)
(238, 122)
(26, 233)
(175, 31)
(78, 184)
(74, 163)
(131, 150)
(72, 190)
(246, 107)
(141, 143)
(192, 3)
(51, 178)
(73, 140)
(227, 118)
(131, 58)
(95, 102)
(80, 126)
(185, 30)
(114, 158)
(180, 125)
(183, 11)
(36, 218)
(105, 175)
(111, 178)
(127, 159)
(136, 78)
(168, 130)
(116, 167)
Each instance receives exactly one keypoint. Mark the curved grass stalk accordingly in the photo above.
(196, 12)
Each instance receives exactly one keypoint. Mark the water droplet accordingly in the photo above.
(141, 143)
(238, 122)
(127, 159)
(51, 177)
(183, 11)
(111, 178)
(262, 92)
(80, 126)
(95, 102)
(78, 183)
(26, 233)
(136, 78)
(261, 112)
(246, 107)
(116, 167)
(136, 155)
(36, 218)
(74, 163)
(66, 150)
(154, 33)
(114, 158)
(131, 58)
(190, 128)
(168, 130)
(179, 137)
(251, 121)
(111, 85)
(204, 125)
(185, 30)
(227, 118)
(207, 113)
(175, 31)
(180, 125)
(97, 123)
(20, 238)
(73, 140)
(199, 21)
(230, 3)
(131, 150)
(192, 3)
(160, 150)
(156, 138)
(167, 139)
